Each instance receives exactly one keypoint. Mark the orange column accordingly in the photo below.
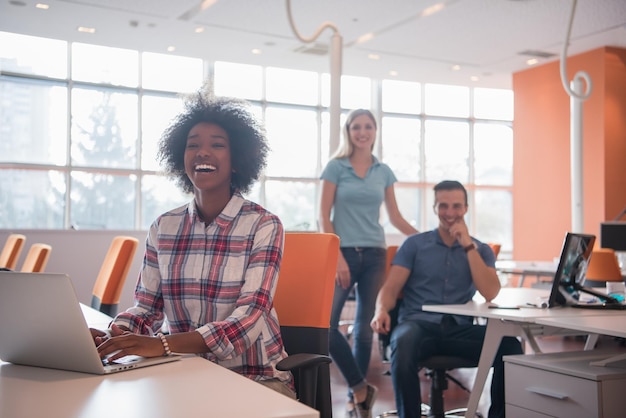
(542, 187)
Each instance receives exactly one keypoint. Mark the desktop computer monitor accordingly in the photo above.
(613, 235)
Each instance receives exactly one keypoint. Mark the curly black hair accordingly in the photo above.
(246, 135)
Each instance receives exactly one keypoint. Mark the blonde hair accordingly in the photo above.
(345, 148)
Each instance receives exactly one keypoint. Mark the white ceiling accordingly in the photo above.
(485, 37)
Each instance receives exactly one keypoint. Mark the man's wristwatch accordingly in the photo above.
(470, 247)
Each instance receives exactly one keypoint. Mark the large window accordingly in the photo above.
(80, 126)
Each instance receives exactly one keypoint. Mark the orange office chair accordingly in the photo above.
(603, 267)
(11, 251)
(36, 258)
(391, 252)
(303, 301)
(108, 287)
(495, 247)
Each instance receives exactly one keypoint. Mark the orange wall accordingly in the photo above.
(542, 187)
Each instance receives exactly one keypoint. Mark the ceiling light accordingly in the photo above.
(373, 56)
(199, 29)
(474, 78)
(207, 3)
(171, 48)
(85, 29)
(393, 73)
(532, 61)
(256, 51)
(429, 11)
(42, 6)
(364, 38)
(455, 67)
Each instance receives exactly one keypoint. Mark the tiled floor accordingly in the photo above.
(454, 396)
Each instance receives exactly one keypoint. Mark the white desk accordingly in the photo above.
(615, 326)
(523, 322)
(527, 268)
(192, 387)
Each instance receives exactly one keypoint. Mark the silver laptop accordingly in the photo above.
(42, 324)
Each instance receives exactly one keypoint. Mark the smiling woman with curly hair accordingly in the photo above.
(211, 266)
(247, 139)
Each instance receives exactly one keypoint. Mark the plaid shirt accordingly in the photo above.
(217, 279)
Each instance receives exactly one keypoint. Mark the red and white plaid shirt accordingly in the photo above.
(218, 279)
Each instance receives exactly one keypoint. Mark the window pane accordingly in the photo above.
(33, 122)
(32, 199)
(104, 128)
(326, 152)
(444, 100)
(494, 217)
(292, 135)
(157, 114)
(401, 147)
(159, 195)
(238, 80)
(401, 96)
(432, 220)
(293, 202)
(356, 92)
(291, 86)
(32, 55)
(493, 104)
(171, 72)
(447, 151)
(102, 201)
(409, 201)
(101, 64)
(493, 154)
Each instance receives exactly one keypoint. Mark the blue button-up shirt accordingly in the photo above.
(439, 275)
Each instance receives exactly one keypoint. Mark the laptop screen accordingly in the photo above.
(570, 274)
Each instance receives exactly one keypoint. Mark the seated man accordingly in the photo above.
(443, 266)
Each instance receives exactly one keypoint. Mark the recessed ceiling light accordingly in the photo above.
(532, 61)
(429, 11)
(365, 38)
(85, 29)
(256, 51)
(373, 56)
(474, 78)
(455, 67)
(171, 48)
(42, 6)
(393, 73)
(199, 29)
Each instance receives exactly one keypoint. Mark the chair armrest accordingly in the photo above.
(302, 360)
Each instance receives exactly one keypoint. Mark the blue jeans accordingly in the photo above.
(367, 270)
(412, 341)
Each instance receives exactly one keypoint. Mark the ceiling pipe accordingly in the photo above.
(335, 73)
(575, 90)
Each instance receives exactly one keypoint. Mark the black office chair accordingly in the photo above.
(437, 368)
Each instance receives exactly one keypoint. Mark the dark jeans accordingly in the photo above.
(412, 341)
(367, 268)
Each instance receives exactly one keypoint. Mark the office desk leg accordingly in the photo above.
(592, 340)
(496, 330)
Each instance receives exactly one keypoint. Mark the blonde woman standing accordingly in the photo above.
(354, 186)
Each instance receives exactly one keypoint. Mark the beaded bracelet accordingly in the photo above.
(166, 345)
